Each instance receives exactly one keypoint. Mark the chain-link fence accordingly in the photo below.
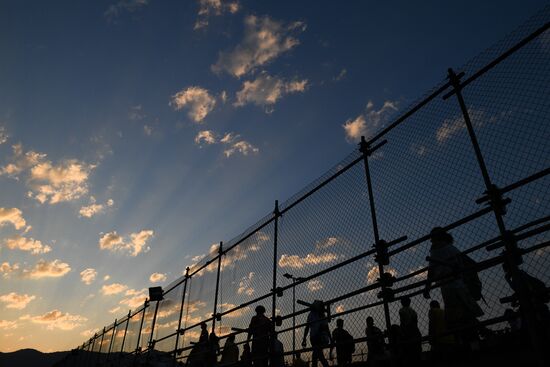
(472, 156)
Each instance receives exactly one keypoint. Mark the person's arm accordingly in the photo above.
(306, 331)
(428, 285)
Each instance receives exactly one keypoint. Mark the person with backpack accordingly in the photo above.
(320, 336)
(460, 288)
(345, 345)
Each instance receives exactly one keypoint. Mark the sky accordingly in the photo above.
(134, 134)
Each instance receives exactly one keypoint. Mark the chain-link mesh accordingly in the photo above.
(319, 245)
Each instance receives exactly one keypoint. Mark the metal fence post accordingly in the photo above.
(145, 305)
(151, 341)
(181, 312)
(498, 204)
(112, 337)
(100, 346)
(367, 151)
(277, 214)
(125, 331)
(215, 314)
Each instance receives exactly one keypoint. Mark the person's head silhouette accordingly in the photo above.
(260, 310)
(434, 304)
(440, 237)
(370, 321)
(405, 301)
(339, 323)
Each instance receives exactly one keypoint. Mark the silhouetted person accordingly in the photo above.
(317, 327)
(204, 333)
(396, 346)
(230, 353)
(246, 357)
(535, 296)
(461, 308)
(259, 330)
(299, 362)
(213, 349)
(412, 342)
(278, 357)
(345, 345)
(440, 342)
(375, 343)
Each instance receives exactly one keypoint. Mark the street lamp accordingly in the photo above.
(294, 280)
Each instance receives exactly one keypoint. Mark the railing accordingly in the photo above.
(472, 156)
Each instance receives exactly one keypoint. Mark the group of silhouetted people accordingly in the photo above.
(452, 327)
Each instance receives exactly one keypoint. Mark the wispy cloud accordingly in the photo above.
(134, 245)
(94, 208)
(47, 269)
(121, 6)
(208, 8)
(196, 100)
(12, 216)
(8, 325)
(245, 284)
(327, 242)
(366, 123)
(31, 245)
(297, 262)
(266, 90)
(315, 285)
(48, 182)
(56, 319)
(242, 147)
(264, 40)
(16, 301)
(157, 277)
(134, 298)
(88, 276)
(113, 288)
(206, 137)
(6, 269)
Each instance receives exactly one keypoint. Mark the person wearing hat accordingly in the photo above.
(317, 327)
(259, 330)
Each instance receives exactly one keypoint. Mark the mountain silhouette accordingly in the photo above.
(30, 358)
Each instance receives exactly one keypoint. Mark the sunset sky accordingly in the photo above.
(134, 134)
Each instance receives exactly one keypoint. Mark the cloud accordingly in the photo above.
(266, 90)
(454, 125)
(340, 308)
(147, 130)
(243, 147)
(56, 319)
(3, 135)
(88, 276)
(12, 216)
(135, 245)
(206, 136)
(196, 100)
(237, 313)
(89, 211)
(245, 285)
(327, 242)
(209, 8)
(115, 309)
(264, 40)
(136, 113)
(8, 325)
(48, 182)
(113, 288)
(47, 269)
(6, 269)
(157, 277)
(130, 6)
(134, 298)
(315, 285)
(341, 75)
(31, 245)
(364, 124)
(16, 301)
(374, 274)
(297, 262)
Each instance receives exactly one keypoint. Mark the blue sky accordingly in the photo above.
(135, 133)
